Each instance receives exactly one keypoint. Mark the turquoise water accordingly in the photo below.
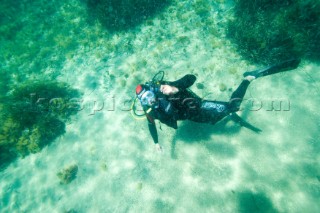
(76, 51)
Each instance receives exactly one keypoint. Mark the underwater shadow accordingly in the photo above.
(192, 132)
(254, 202)
(122, 15)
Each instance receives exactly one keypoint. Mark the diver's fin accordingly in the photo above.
(281, 67)
(236, 118)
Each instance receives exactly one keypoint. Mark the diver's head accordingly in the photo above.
(145, 95)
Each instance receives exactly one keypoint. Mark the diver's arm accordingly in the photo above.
(171, 88)
(184, 82)
(153, 131)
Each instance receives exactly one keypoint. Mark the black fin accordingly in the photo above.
(281, 67)
(236, 118)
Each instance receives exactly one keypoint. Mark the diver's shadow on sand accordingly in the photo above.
(254, 202)
(191, 132)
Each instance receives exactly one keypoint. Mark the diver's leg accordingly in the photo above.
(214, 111)
(210, 112)
(237, 96)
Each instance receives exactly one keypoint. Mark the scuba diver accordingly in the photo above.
(170, 101)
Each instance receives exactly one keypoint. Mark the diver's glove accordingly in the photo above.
(158, 147)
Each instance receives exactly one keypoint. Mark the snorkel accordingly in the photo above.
(146, 94)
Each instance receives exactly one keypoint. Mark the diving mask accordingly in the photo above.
(148, 98)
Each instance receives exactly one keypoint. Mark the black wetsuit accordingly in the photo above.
(185, 105)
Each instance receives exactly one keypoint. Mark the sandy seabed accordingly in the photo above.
(203, 168)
